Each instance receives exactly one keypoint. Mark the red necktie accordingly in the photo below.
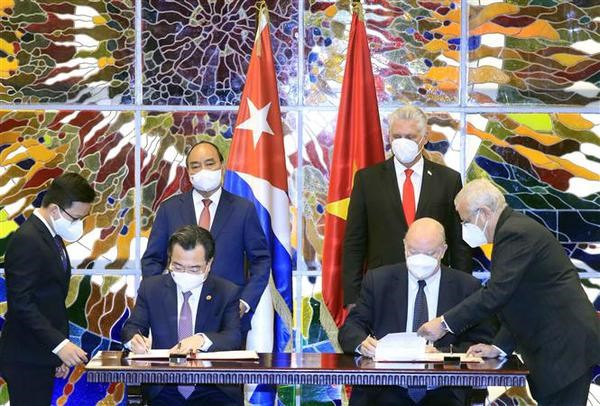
(205, 215)
(408, 198)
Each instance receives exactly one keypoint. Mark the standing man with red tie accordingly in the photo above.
(389, 196)
(242, 253)
(34, 345)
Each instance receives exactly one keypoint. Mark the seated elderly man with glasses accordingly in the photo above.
(187, 309)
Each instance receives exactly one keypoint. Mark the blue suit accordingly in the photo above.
(217, 317)
(238, 238)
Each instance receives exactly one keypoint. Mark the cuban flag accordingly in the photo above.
(256, 171)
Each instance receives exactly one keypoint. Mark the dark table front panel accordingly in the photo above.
(305, 369)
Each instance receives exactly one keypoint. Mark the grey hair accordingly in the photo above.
(411, 113)
(480, 193)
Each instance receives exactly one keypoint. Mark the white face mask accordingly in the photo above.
(206, 180)
(405, 150)
(69, 231)
(187, 281)
(473, 235)
(421, 266)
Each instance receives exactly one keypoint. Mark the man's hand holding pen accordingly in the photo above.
(368, 346)
(140, 344)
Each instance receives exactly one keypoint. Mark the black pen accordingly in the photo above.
(144, 340)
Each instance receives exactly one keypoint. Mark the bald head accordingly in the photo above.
(425, 236)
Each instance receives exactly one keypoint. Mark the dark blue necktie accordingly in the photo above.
(61, 251)
(421, 316)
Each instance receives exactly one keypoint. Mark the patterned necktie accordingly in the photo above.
(408, 198)
(421, 314)
(205, 215)
(61, 251)
(185, 330)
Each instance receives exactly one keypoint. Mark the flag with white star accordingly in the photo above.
(256, 171)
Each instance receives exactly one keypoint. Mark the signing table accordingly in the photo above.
(306, 369)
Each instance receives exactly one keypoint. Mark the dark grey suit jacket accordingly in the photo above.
(376, 226)
(544, 311)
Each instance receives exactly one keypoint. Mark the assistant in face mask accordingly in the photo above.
(472, 234)
(69, 229)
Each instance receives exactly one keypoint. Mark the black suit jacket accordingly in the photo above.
(37, 285)
(156, 310)
(376, 226)
(382, 306)
(544, 311)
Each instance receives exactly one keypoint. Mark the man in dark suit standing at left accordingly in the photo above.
(400, 298)
(231, 220)
(34, 345)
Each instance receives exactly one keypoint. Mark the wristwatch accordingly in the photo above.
(444, 325)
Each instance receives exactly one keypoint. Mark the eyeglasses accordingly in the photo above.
(73, 219)
(194, 270)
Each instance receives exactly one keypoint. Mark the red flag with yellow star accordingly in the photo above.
(357, 144)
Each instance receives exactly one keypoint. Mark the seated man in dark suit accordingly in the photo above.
(187, 309)
(401, 297)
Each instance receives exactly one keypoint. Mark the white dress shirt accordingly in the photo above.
(416, 178)
(199, 204)
(37, 213)
(432, 292)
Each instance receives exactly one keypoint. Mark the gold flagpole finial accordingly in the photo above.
(358, 9)
(261, 8)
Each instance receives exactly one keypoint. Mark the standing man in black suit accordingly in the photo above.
(188, 309)
(393, 300)
(389, 196)
(34, 345)
(545, 314)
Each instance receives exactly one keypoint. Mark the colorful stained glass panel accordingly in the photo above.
(66, 52)
(534, 52)
(37, 146)
(414, 50)
(547, 165)
(197, 52)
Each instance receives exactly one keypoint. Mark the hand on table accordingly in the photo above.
(72, 355)
(190, 344)
(483, 351)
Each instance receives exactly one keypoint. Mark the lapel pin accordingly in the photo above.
(208, 297)
(429, 172)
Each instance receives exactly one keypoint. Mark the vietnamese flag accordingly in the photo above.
(357, 144)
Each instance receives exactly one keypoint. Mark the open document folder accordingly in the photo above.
(217, 355)
(410, 347)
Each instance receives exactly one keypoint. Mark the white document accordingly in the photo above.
(217, 355)
(400, 347)
(409, 347)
